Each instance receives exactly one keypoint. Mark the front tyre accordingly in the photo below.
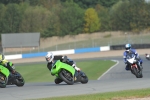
(140, 74)
(3, 81)
(66, 77)
(135, 70)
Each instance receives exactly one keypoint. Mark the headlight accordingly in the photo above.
(134, 61)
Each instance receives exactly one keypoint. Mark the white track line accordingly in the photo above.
(109, 69)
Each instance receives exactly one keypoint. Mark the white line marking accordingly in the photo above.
(109, 69)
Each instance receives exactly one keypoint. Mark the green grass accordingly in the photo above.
(40, 73)
(119, 95)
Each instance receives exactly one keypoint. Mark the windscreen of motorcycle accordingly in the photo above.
(130, 55)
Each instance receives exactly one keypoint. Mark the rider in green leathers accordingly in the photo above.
(6, 63)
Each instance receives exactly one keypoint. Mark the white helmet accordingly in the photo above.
(49, 57)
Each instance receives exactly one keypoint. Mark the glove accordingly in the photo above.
(78, 69)
(13, 71)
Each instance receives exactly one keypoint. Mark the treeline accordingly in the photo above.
(71, 17)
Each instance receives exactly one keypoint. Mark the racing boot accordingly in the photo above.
(76, 72)
(140, 65)
(58, 80)
(76, 75)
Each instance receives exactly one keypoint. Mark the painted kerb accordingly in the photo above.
(62, 52)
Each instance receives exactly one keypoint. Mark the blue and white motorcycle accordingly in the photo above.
(135, 66)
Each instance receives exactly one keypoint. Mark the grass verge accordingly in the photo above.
(40, 73)
(119, 95)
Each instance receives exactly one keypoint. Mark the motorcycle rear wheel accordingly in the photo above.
(19, 81)
(84, 78)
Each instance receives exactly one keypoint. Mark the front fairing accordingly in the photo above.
(4, 70)
(131, 58)
(58, 66)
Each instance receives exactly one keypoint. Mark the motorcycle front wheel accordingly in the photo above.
(3, 81)
(66, 77)
(137, 73)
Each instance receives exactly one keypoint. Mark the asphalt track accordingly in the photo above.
(115, 79)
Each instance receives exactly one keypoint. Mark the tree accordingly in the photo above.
(35, 19)
(92, 22)
(2, 11)
(49, 4)
(12, 18)
(92, 3)
(11, 1)
(108, 3)
(53, 22)
(120, 17)
(103, 14)
(138, 10)
(71, 19)
(130, 15)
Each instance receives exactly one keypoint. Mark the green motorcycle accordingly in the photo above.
(67, 73)
(8, 78)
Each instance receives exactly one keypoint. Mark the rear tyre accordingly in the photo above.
(66, 77)
(19, 80)
(58, 80)
(84, 78)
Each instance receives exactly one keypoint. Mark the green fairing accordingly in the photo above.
(4, 70)
(10, 63)
(60, 65)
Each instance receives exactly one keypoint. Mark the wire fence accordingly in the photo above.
(85, 42)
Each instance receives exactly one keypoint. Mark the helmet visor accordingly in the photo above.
(47, 59)
(128, 48)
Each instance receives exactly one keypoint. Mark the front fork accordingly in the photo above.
(138, 66)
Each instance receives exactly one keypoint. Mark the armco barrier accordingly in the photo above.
(135, 46)
(62, 52)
